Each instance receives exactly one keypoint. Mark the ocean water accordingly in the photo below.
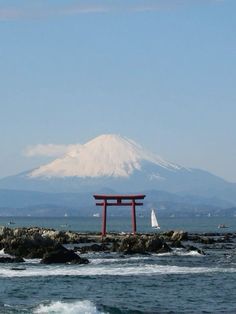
(176, 282)
(122, 224)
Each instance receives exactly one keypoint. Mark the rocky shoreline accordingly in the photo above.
(50, 245)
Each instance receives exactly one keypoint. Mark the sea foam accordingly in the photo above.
(78, 307)
(109, 270)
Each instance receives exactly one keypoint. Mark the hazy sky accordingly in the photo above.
(162, 73)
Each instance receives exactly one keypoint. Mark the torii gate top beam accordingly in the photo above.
(115, 197)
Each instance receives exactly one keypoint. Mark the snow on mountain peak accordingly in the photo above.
(106, 155)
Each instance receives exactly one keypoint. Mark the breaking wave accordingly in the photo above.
(58, 307)
(108, 270)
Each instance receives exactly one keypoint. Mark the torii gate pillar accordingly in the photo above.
(134, 217)
(104, 218)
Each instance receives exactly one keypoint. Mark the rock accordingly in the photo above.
(179, 236)
(142, 245)
(207, 240)
(34, 246)
(61, 255)
(168, 234)
(154, 244)
(115, 246)
(194, 237)
(177, 244)
(93, 248)
(132, 245)
(51, 234)
(11, 259)
(164, 249)
(193, 248)
(5, 232)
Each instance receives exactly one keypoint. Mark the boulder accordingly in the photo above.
(168, 234)
(179, 236)
(164, 249)
(193, 248)
(154, 244)
(132, 245)
(142, 245)
(34, 246)
(61, 255)
(5, 232)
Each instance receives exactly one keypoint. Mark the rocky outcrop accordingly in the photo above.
(30, 246)
(142, 245)
(61, 255)
(179, 236)
(35, 242)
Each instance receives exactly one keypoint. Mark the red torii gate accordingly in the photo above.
(118, 200)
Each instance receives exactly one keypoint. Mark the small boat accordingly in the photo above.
(222, 226)
(96, 215)
(64, 225)
(11, 223)
(154, 222)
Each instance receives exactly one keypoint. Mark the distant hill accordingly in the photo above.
(23, 203)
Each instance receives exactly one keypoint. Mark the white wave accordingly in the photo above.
(32, 260)
(78, 307)
(180, 252)
(3, 254)
(109, 270)
(190, 253)
(98, 261)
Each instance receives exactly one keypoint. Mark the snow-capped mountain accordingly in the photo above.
(104, 156)
(120, 164)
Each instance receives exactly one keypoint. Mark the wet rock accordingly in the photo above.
(93, 248)
(132, 245)
(11, 259)
(154, 244)
(5, 232)
(164, 249)
(34, 246)
(115, 246)
(142, 245)
(179, 236)
(228, 238)
(61, 255)
(177, 244)
(207, 240)
(168, 234)
(194, 237)
(193, 248)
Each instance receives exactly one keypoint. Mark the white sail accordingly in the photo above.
(154, 222)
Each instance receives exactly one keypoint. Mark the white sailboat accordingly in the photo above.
(154, 222)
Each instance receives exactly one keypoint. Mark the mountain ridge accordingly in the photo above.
(107, 155)
(120, 164)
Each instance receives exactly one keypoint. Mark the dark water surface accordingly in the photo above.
(176, 282)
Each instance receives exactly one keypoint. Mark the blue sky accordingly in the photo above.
(160, 72)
